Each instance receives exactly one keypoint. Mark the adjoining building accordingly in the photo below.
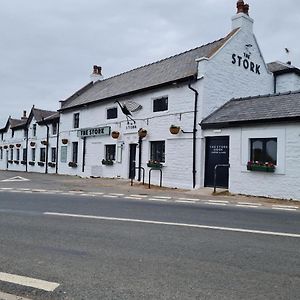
(175, 118)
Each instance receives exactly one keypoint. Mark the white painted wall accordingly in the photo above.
(287, 82)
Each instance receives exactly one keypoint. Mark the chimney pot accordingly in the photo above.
(97, 70)
(240, 6)
(246, 9)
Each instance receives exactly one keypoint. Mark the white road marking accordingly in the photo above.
(212, 203)
(134, 198)
(285, 206)
(249, 206)
(76, 192)
(38, 190)
(162, 197)
(96, 193)
(116, 194)
(184, 201)
(87, 195)
(16, 178)
(286, 209)
(140, 196)
(218, 201)
(21, 189)
(6, 189)
(249, 203)
(110, 196)
(4, 296)
(27, 281)
(285, 234)
(160, 200)
(188, 199)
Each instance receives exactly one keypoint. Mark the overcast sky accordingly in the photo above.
(48, 47)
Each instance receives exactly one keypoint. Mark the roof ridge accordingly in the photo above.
(161, 60)
(265, 95)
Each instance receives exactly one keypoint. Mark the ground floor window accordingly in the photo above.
(1, 153)
(43, 154)
(263, 150)
(53, 154)
(33, 154)
(110, 152)
(18, 154)
(157, 152)
(11, 154)
(74, 152)
(63, 154)
(24, 154)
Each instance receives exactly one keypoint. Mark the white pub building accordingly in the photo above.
(219, 105)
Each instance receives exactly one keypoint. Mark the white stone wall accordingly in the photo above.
(287, 82)
(284, 183)
(177, 171)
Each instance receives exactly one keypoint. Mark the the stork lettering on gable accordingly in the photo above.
(246, 63)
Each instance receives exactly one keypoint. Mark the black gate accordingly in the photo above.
(217, 153)
(132, 155)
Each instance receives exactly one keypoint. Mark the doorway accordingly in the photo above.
(217, 153)
(132, 160)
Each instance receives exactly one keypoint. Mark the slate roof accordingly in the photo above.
(40, 114)
(178, 67)
(267, 108)
(278, 67)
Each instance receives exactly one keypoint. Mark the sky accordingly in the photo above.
(48, 48)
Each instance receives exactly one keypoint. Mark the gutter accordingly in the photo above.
(194, 133)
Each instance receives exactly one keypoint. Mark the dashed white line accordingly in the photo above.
(240, 230)
(6, 189)
(162, 197)
(247, 206)
(156, 199)
(184, 201)
(133, 198)
(249, 203)
(286, 209)
(217, 204)
(285, 206)
(188, 199)
(38, 190)
(116, 194)
(110, 196)
(96, 193)
(218, 201)
(27, 281)
(140, 196)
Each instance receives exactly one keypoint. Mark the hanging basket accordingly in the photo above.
(142, 133)
(18, 145)
(11, 146)
(32, 144)
(5, 147)
(174, 129)
(44, 143)
(115, 134)
(65, 141)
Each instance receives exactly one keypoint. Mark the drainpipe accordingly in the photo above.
(47, 149)
(57, 144)
(275, 83)
(26, 136)
(140, 157)
(194, 133)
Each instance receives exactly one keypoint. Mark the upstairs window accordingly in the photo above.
(24, 154)
(110, 152)
(34, 130)
(11, 154)
(160, 104)
(264, 150)
(33, 154)
(76, 120)
(112, 113)
(43, 154)
(157, 151)
(1, 153)
(54, 128)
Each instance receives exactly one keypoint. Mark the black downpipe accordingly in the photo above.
(26, 136)
(275, 83)
(83, 154)
(194, 133)
(140, 158)
(47, 149)
(57, 144)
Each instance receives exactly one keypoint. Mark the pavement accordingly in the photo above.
(60, 184)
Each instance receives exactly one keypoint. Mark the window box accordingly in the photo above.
(11, 146)
(16, 162)
(174, 129)
(154, 164)
(261, 167)
(31, 163)
(41, 163)
(5, 147)
(10, 161)
(72, 164)
(23, 162)
(51, 164)
(107, 162)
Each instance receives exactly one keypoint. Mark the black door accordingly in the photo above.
(132, 154)
(7, 159)
(217, 153)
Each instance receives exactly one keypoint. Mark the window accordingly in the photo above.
(157, 151)
(33, 154)
(18, 154)
(63, 154)
(1, 136)
(110, 152)
(76, 120)
(25, 133)
(11, 154)
(53, 155)
(75, 152)
(1, 153)
(264, 150)
(24, 154)
(112, 113)
(34, 130)
(160, 104)
(54, 128)
(43, 154)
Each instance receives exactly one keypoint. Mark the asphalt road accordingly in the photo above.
(101, 248)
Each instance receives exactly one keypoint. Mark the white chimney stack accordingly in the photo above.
(96, 75)
(242, 19)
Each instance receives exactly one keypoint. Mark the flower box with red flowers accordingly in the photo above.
(261, 166)
(154, 164)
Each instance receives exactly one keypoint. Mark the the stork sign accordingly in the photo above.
(128, 108)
